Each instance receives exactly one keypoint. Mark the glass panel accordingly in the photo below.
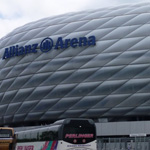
(5, 133)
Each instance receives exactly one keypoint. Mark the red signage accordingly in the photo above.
(79, 136)
(31, 147)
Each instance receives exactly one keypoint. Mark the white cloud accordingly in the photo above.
(14, 13)
(7, 25)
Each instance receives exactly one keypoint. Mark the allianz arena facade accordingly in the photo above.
(91, 64)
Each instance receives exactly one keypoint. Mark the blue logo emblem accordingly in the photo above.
(46, 45)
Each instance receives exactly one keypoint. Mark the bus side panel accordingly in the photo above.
(4, 146)
(68, 146)
(44, 145)
(6, 143)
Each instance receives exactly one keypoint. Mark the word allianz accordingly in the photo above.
(60, 43)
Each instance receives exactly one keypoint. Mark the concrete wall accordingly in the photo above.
(141, 128)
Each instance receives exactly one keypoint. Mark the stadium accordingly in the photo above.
(90, 64)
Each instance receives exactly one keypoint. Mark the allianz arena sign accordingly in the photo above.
(47, 44)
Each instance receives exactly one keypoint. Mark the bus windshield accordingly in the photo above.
(5, 133)
(79, 132)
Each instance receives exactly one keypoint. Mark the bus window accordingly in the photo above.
(34, 136)
(49, 134)
(5, 133)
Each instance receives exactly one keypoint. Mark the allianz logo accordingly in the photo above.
(48, 44)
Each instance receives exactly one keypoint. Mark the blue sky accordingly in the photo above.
(14, 13)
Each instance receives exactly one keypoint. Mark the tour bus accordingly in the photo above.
(7, 138)
(68, 134)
